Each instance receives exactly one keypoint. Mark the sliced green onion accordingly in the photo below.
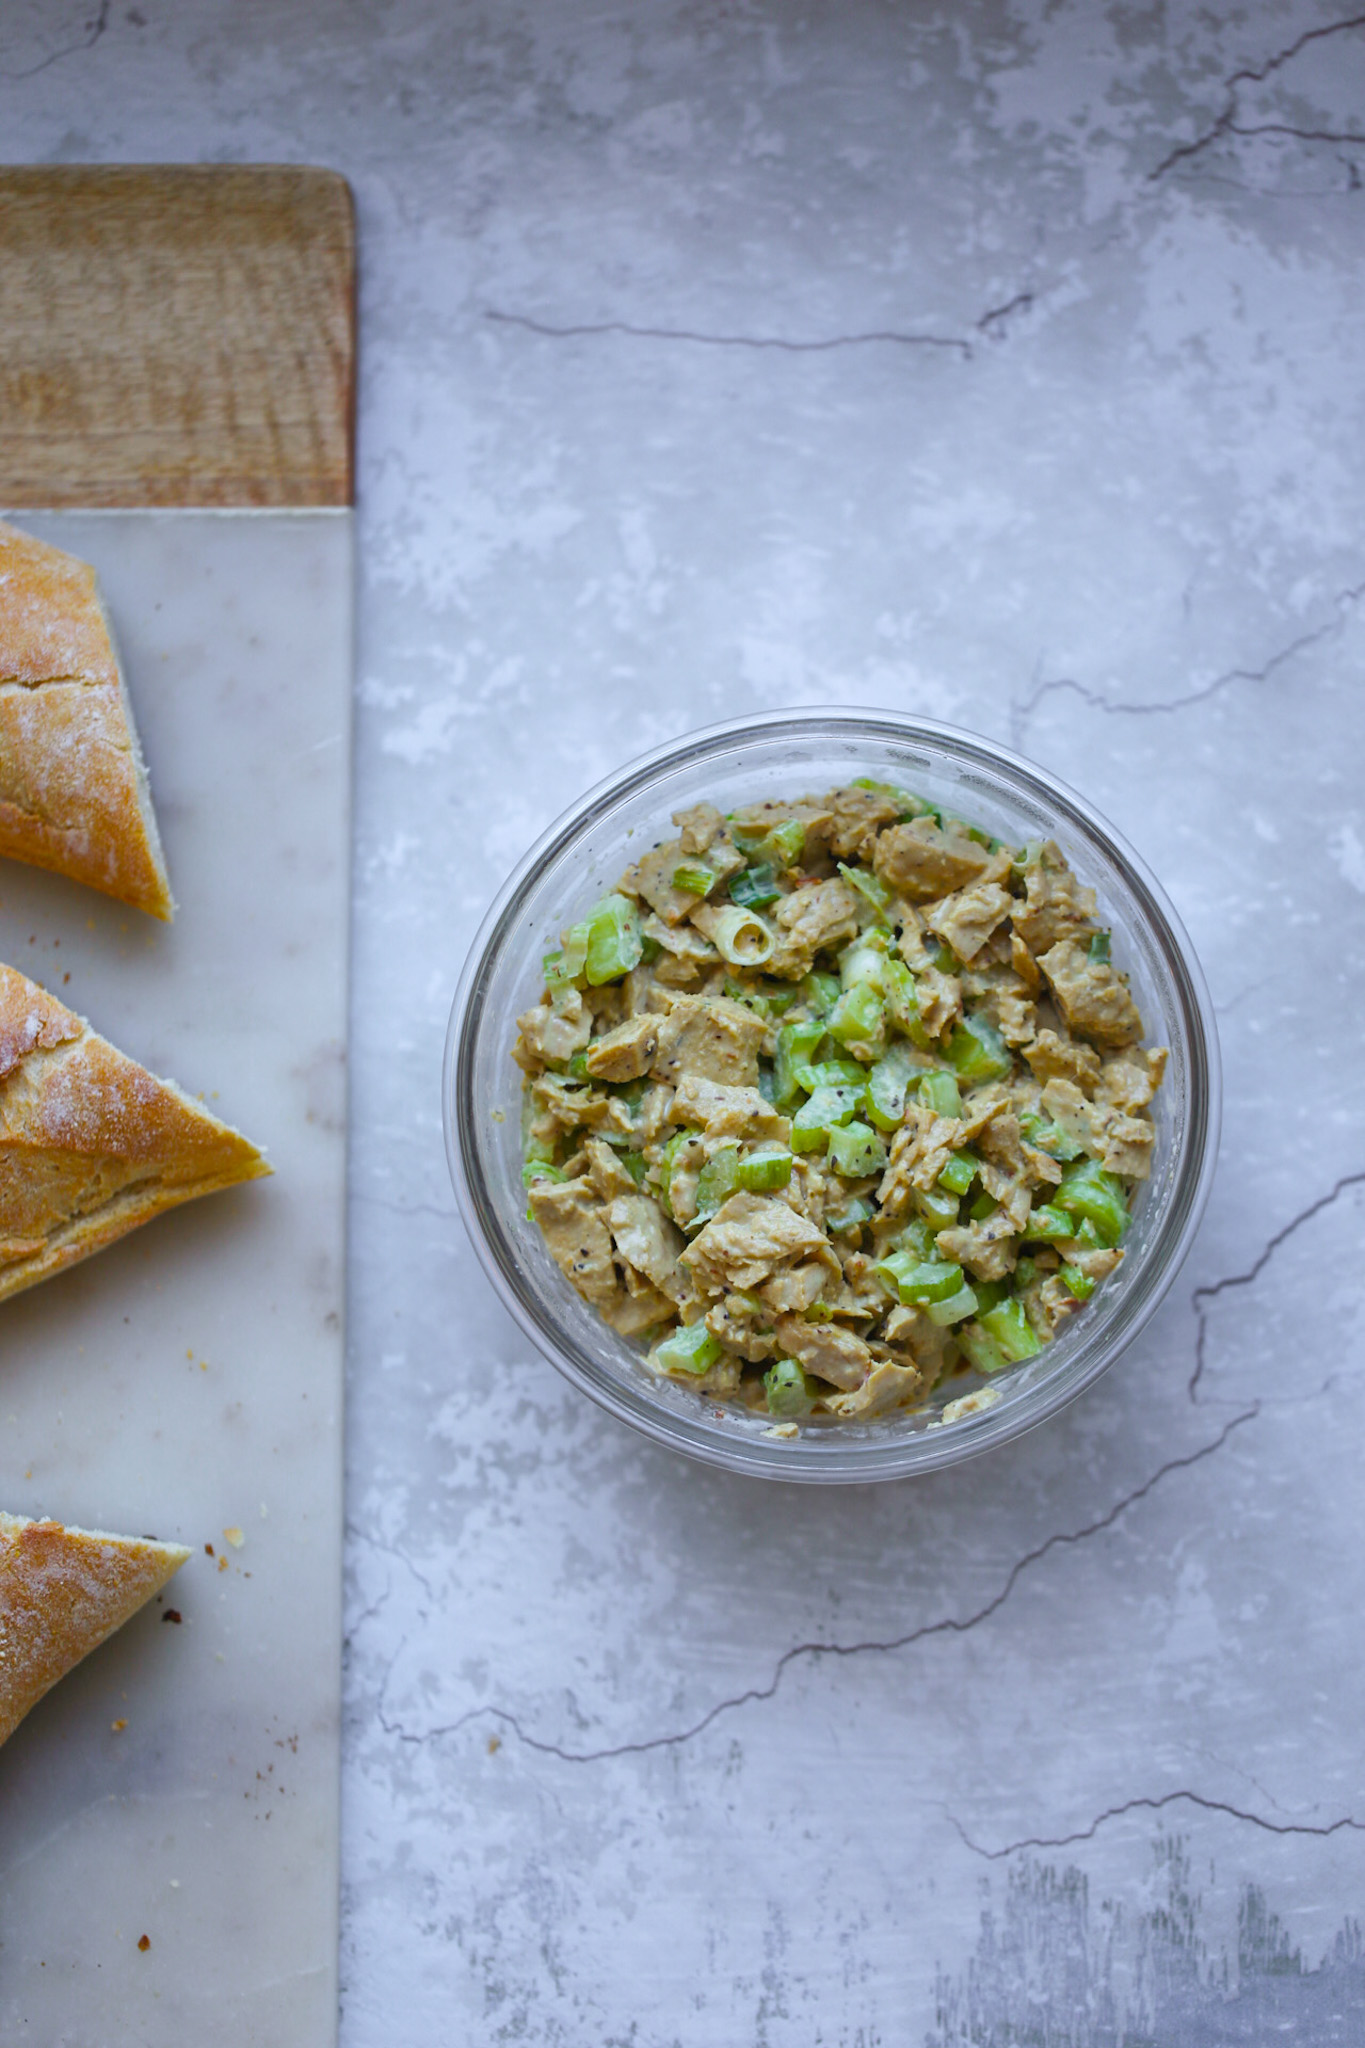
(857, 1150)
(761, 1172)
(1098, 949)
(1080, 1284)
(577, 1069)
(754, 886)
(1009, 1326)
(635, 1165)
(694, 879)
(741, 937)
(961, 1170)
(692, 1349)
(864, 961)
(977, 1052)
(985, 1205)
(540, 1169)
(789, 1391)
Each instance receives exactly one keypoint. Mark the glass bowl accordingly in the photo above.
(787, 755)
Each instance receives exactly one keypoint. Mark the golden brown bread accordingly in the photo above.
(62, 1591)
(91, 1144)
(73, 788)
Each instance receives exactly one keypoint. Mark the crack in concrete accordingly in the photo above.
(998, 318)
(1203, 1295)
(1225, 123)
(1155, 1805)
(1022, 712)
(756, 1695)
(756, 341)
(90, 35)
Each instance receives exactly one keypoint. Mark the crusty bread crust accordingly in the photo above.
(73, 786)
(91, 1144)
(62, 1591)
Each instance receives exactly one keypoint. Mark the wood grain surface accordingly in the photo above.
(176, 335)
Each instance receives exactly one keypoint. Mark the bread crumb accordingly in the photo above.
(118, 1726)
(144, 1943)
(222, 1564)
(235, 1537)
(494, 1744)
(785, 1432)
(971, 1404)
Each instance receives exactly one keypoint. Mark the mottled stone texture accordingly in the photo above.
(997, 361)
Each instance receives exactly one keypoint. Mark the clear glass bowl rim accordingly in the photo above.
(873, 1456)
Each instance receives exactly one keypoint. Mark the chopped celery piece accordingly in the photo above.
(1025, 1272)
(1051, 1224)
(717, 1181)
(937, 1206)
(767, 1085)
(1098, 948)
(668, 1164)
(650, 949)
(1029, 855)
(820, 992)
(981, 1349)
(761, 1172)
(910, 806)
(1089, 1191)
(691, 1349)
(613, 928)
(859, 1016)
(888, 1084)
(822, 1112)
(788, 1390)
(928, 1280)
(917, 1236)
(977, 1052)
(958, 1175)
(1087, 1236)
(786, 841)
(1009, 1326)
(848, 1216)
(856, 1150)
(864, 961)
(819, 1312)
(989, 1292)
(902, 1002)
(869, 886)
(694, 879)
(557, 971)
(747, 833)
(982, 838)
(940, 1091)
(1049, 1137)
(754, 886)
(635, 1165)
(795, 1045)
(577, 1069)
(830, 1074)
(894, 1268)
(985, 1205)
(540, 1169)
(955, 1309)
(1080, 1284)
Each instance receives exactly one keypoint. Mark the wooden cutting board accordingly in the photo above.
(176, 350)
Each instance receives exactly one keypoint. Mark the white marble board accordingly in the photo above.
(190, 1379)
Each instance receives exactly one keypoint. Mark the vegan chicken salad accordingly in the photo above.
(830, 1100)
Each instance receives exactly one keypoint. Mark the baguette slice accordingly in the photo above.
(91, 1144)
(73, 787)
(62, 1591)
